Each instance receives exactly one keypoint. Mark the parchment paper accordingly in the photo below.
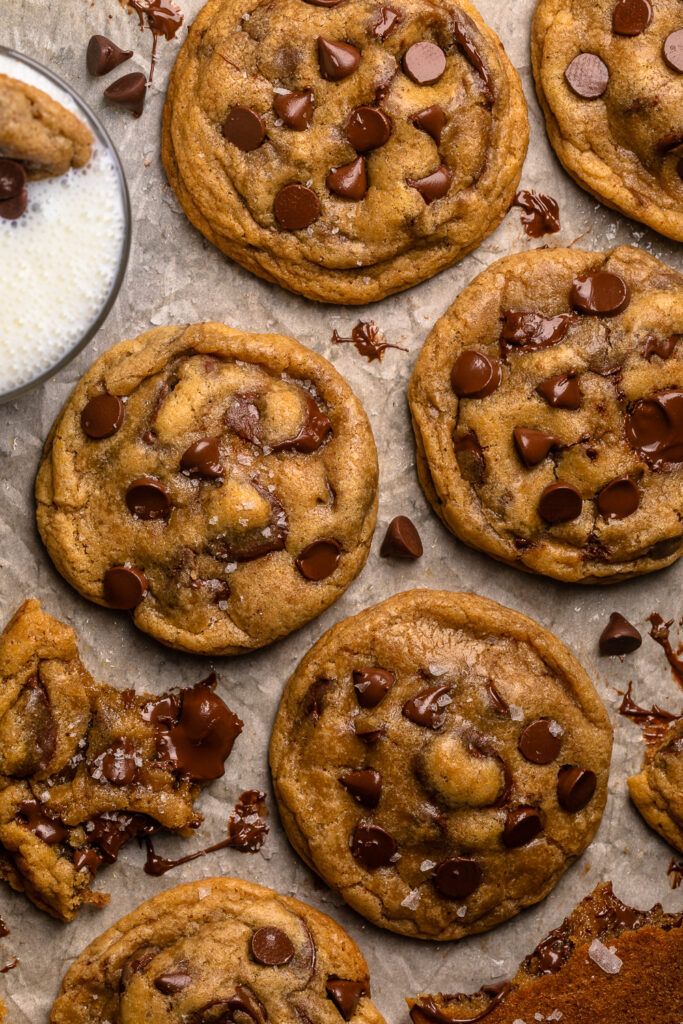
(175, 276)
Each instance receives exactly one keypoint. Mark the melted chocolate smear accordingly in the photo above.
(552, 953)
(541, 213)
(654, 721)
(163, 18)
(368, 339)
(40, 740)
(50, 830)
(244, 417)
(675, 873)
(107, 833)
(660, 634)
(468, 47)
(499, 704)
(528, 331)
(617, 915)
(428, 1010)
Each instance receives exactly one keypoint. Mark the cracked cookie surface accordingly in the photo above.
(547, 406)
(440, 761)
(609, 77)
(219, 950)
(344, 150)
(220, 485)
(657, 791)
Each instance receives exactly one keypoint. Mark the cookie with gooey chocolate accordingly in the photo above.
(547, 406)
(440, 761)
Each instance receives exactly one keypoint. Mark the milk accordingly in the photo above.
(59, 261)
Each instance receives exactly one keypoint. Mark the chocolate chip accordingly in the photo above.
(424, 62)
(619, 498)
(470, 457)
(320, 559)
(14, 208)
(295, 109)
(434, 186)
(561, 392)
(33, 816)
(296, 207)
(196, 730)
(560, 502)
(600, 293)
(349, 181)
(387, 20)
(124, 587)
(102, 56)
(662, 347)
(203, 458)
(533, 445)
(271, 947)
(428, 708)
(128, 92)
(575, 787)
(631, 17)
(673, 50)
(12, 179)
(171, 982)
(431, 120)
(345, 995)
(372, 685)
(540, 741)
(475, 374)
(369, 736)
(337, 60)
(367, 128)
(401, 540)
(148, 498)
(654, 429)
(102, 416)
(372, 845)
(245, 128)
(529, 331)
(457, 877)
(587, 76)
(139, 961)
(619, 636)
(117, 764)
(521, 826)
(364, 785)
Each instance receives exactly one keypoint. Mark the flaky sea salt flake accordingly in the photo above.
(606, 959)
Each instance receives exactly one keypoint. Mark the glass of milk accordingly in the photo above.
(64, 260)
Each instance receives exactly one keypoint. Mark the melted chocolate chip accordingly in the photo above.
(457, 877)
(673, 50)
(540, 741)
(469, 48)
(575, 787)
(337, 60)
(147, 498)
(296, 207)
(498, 703)
(367, 128)
(137, 963)
(364, 785)
(247, 829)
(171, 982)
(39, 732)
(14, 208)
(475, 374)
(530, 331)
(470, 458)
(560, 502)
(102, 416)
(109, 832)
(117, 764)
(533, 445)
(349, 181)
(600, 293)
(631, 17)
(662, 347)
(369, 736)
(295, 109)
(431, 120)
(128, 92)
(561, 392)
(424, 62)
(345, 995)
(372, 845)
(619, 636)
(102, 56)
(271, 947)
(552, 953)
(124, 587)
(541, 213)
(428, 708)
(387, 21)
(521, 826)
(434, 186)
(33, 816)
(588, 76)
(619, 498)
(244, 418)
(203, 458)
(320, 559)
(401, 540)
(654, 429)
(372, 685)
(244, 128)
(12, 179)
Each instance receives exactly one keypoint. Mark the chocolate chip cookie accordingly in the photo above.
(440, 761)
(609, 77)
(606, 962)
(547, 406)
(657, 791)
(346, 150)
(219, 950)
(221, 486)
(39, 132)
(85, 767)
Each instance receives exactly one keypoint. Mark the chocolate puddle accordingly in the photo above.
(654, 721)
(368, 339)
(660, 634)
(541, 214)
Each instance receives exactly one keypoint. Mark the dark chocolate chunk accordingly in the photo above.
(124, 587)
(295, 109)
(654, 429)
(364, 785)
(372, 845)
(540, 741)
(148, 498)
(424, 62)
(631, 17)
(600, 293)
(345, 995)
(102, 56)
(320, 559)
(560, 502)
(619, 636)
(458, 877)
(561, 392)
(371, 685)
(102, 416)
(434, 186)
(12, 179)
(673, 50)
(296, 207)
(171, 982)
(521, 826)
(431, 120)
(128, 92)
(337, 60)
(401, 540)
(533, 445)
(203, 458)
(271, 947)
(428, 708)
(14, 208)
(349, 181)
(244, 128)
(619, 498)
(662, 347)
(367, 128)
(588, 76)
(387, 21)
(475, 374)
(575, 787)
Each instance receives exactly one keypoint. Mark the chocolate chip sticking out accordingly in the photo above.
(529, 331)
(424, 62)
(619, 636)
(475, 374)
(320, 559)
(561, 392)
(662, 347)
(434, 186)
(458, 877)
(203, 458)
(369, 736)
(619, 498)
(588, 76)
(296, 207)
(271, 947)
(349, 181)
(148, 498)
(102, 56)
(364, 785)
(117, 764)
(600, 293)
(673, 50)
(387, 21)
(533, 445)
(345, 995)
(431, 120)
(337, 60)
(654, 429)
(521, 826)
(244, 128)
(428, 708)
(540, 741)
(575, 787)
(295, 109)
(367, 128)
(372, 685)
(12, 179)
(102, 416)
(14, 208)
(124, 587)
(171, 982)
(401, 540)
(128, 92)
(371, 845)
(631, 17)
(560, 503)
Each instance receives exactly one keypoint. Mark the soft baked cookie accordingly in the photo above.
(606, 962)
(609, 77)
(221, 485)
(85, 767)
(440, 761)
(39, 132)
(657, 791)
(219, 950)
(547, 406)
(345, 150)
